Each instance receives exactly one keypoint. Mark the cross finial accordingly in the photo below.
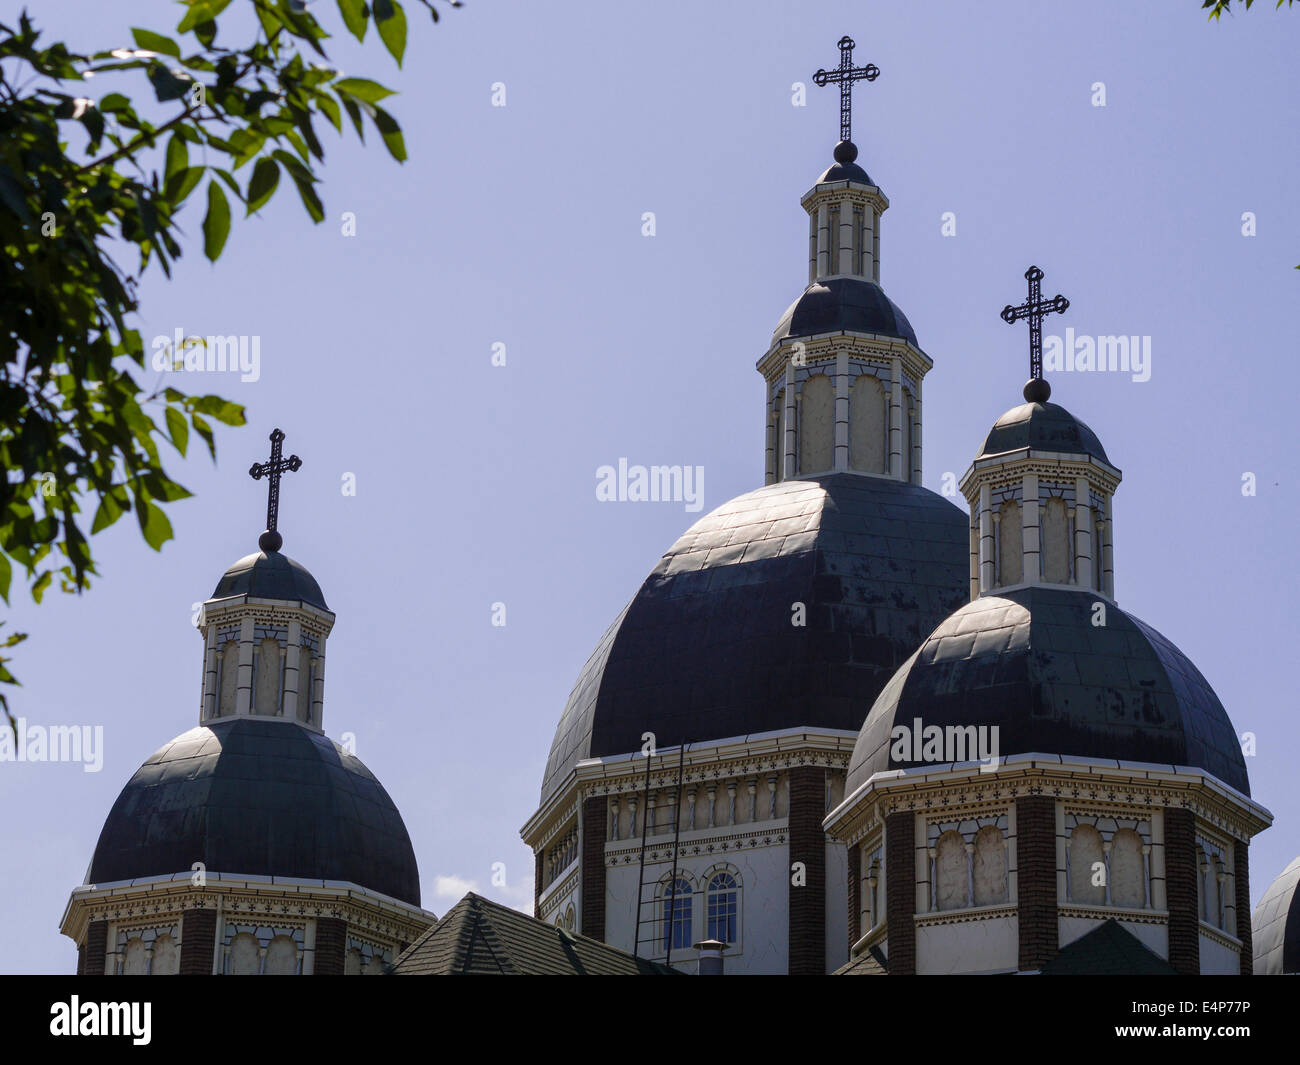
(271, 540)
(845, 75)
(1037, 390)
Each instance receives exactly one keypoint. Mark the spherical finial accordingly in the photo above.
(1037, 390)
(270, 541)
(846, 152)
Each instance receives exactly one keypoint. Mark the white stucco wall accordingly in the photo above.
(991, 945)
(1218, 960)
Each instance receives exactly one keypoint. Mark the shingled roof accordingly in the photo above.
(1110, 949)
(479, 937)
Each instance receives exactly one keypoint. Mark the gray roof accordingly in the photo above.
(254, 796)
(1275, 926)
(1110, 949)
(479, 937)
(1042, 427)
(845, 172)
(843, 303)
(706, 648)
(871, 962)
(270, 575)
(1031, 662)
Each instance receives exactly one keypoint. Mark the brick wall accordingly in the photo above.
(595, 823)
(90, 956)
(198, 942)
(807, 933)
(1036, 880)
(1241, 873)
(331, 941)
(1180, 890)
(855, 900)
(900, 893)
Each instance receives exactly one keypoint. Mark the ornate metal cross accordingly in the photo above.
(271, 471)
(1034, 308)
(846, 75)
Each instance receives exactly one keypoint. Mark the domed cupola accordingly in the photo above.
(1047, 781)
(1276, 926)
(844, 368)
(252, 843)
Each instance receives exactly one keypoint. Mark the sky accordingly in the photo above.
(522, 225)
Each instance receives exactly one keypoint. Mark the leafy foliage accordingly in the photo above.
(1218, 7)
(77, 427)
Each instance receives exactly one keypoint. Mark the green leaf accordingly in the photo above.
(216, 224)
(43, 582)
(390, 21)
(391, 132)
(166, 85)
(363, 89)
(266, 176)
(115, 101)
(355, 14)
(204, 430)
(155, 42)
(178, 187)
(178, 156)
(225, 411)
(6, 575)
(110, 509)
(179, 429)
(155, 527)
(201, 11)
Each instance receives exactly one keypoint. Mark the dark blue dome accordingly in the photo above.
(270, 575)
(845, 172)
(1032, 663)
(1042, 427)
(706, 648)
(267, 798)
(1275, 926)
(843, 303)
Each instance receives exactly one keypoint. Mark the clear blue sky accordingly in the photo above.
(522, 225)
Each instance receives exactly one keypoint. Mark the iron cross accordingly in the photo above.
(272, 471)
(1034, 308)
(846, 75)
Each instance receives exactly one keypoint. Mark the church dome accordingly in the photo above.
(706, 649)
(845, 172)
(852, 304)
(1041, 427)
(270, 575)
(1032, 662)
(1275, 926)
(260, 797)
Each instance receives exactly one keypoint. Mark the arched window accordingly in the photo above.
(570, 918)
(304, 684)
(266, 694)
(1087, 867)
(135, 958)
(1127, 871)
(723, 907)
(677, 901)
(352, 962)
(816, 424)
(229, 679)
(867, 424)
(243, 957)
(990, 867)
(908, 413)
(1056, 541)
(166, 957)
(1010, 544)
(952, 872)
(282, 957)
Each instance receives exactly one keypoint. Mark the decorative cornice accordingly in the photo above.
(1130, 786)
(701, 843)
